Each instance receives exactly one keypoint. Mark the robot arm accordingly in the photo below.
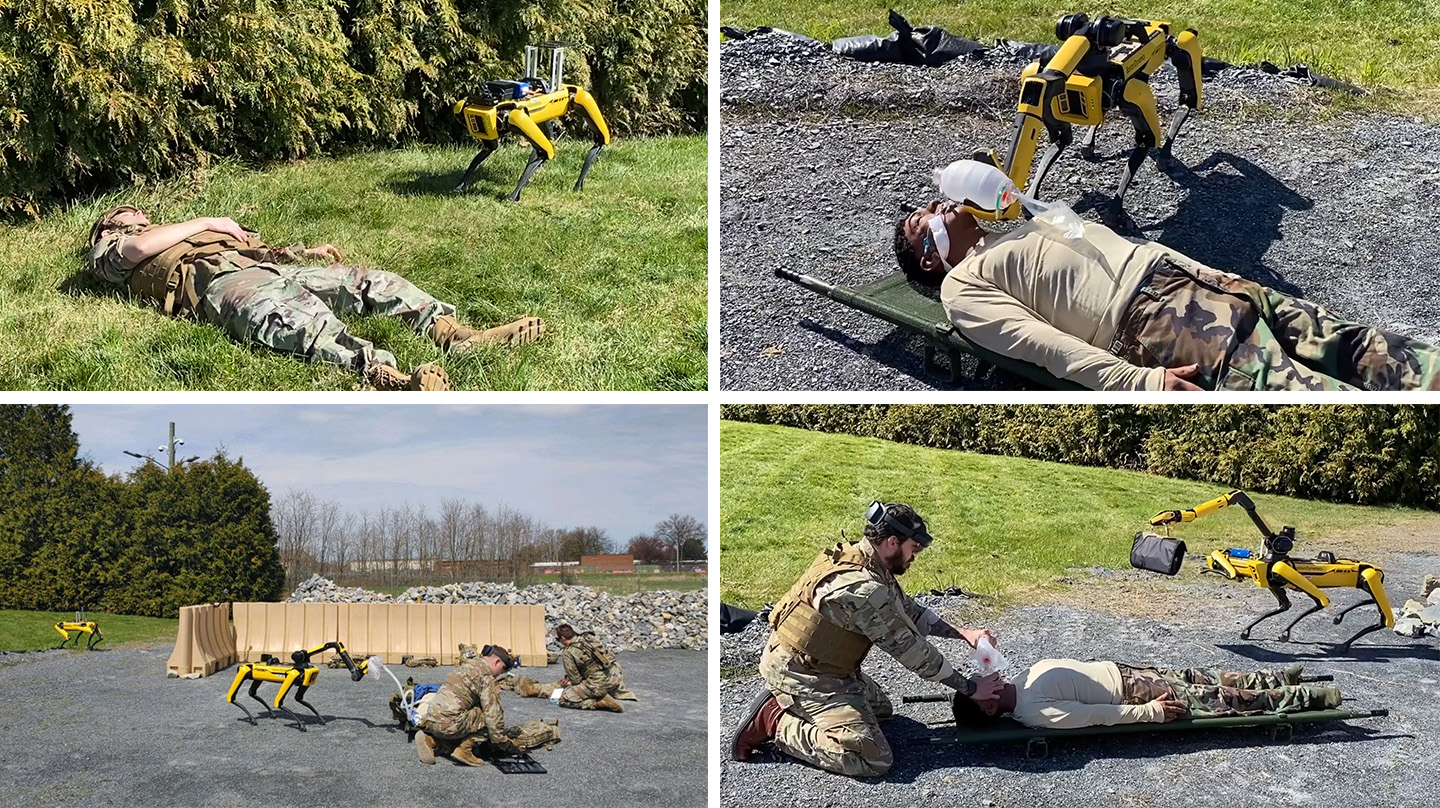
(1206, 508)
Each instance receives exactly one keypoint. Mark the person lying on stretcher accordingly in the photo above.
(1067, 694)
(1112, 313)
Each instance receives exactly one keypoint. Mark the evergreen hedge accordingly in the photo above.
(72, 537)
(94, 93)
(1363, 454)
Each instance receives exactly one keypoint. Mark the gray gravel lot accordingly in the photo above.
(107, 728)
(818, 153)
(1391, 761)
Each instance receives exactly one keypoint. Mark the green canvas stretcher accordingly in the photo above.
(895, 301)
(1037, 746)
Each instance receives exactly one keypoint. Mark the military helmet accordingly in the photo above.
(879, 514)
(98, 229)
(499, 653)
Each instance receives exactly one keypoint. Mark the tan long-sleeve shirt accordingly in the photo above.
(1031, 295)
(1067, 693)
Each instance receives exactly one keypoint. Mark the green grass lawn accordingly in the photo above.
(1380, 44)
(617, 271)
(1002, 525)
(32, 631)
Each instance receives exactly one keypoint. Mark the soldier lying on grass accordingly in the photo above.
(1112, 313)
(284, 298)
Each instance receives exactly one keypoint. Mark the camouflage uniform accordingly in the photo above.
(468, 706)
(833, 720)
(592, 673)
(1245, 336)
(289, 308)
(1211, 692)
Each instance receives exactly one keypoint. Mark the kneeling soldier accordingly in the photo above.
(593, 679)
(465, 720)
(817, 706)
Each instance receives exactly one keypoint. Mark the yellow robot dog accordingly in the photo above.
(529, 108)
(300, 674)
(1104, 63)
(1277, 571)
(79, 626)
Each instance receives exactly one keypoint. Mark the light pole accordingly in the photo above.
(169, 449)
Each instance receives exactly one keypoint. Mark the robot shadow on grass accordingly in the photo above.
(1230, 214)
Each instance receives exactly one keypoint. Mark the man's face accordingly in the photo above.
(897, 554)
(959, 225)
(496, 666)
(126, 218)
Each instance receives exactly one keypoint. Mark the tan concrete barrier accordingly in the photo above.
(391, 630)
(205, 642)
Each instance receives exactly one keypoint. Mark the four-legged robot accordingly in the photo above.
(1103, 64)
(529, 108)
(1277, 571)
(300, 672)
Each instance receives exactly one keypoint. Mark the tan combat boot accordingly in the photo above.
(426, 377)
(527, 687)
(465, 753)
(450, 335)
(425, 748)
(609, 703)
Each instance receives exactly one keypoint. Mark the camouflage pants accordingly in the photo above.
(292, 309)
(1211, 692)
(583, 696)
(838, 732)
(1244, 336)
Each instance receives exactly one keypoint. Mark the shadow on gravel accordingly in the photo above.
(1069, 755)
(1324, 652)
(1229, 215)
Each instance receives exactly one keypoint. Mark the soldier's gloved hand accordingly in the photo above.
(325, 252)
(982, 689)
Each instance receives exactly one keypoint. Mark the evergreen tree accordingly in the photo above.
(59, 524)
(202, 532)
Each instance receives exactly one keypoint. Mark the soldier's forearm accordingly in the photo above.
(940, 628)
(154, 242)
(956, 681)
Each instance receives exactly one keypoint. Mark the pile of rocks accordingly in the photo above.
(658, 619)
(1418, 618)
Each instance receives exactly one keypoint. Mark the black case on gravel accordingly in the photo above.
(1157, 553)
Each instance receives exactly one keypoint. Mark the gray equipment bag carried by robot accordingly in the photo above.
(1157, 553)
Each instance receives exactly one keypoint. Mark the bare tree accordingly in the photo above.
(452, 531)
(676, 530)
(294, 518)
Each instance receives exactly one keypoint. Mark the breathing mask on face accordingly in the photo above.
(939, 238)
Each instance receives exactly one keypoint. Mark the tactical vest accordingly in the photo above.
(169, 279)
(802, 628)
(597, 652)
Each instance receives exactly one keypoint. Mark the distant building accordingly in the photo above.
(384, 564)
(620, 563)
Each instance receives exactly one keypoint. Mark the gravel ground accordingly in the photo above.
(107, 728)
(1387, 761)
(819, 152)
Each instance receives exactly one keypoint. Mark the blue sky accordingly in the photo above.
(619, 467)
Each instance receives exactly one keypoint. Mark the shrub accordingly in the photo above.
(1364, 454)
(97, 93)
